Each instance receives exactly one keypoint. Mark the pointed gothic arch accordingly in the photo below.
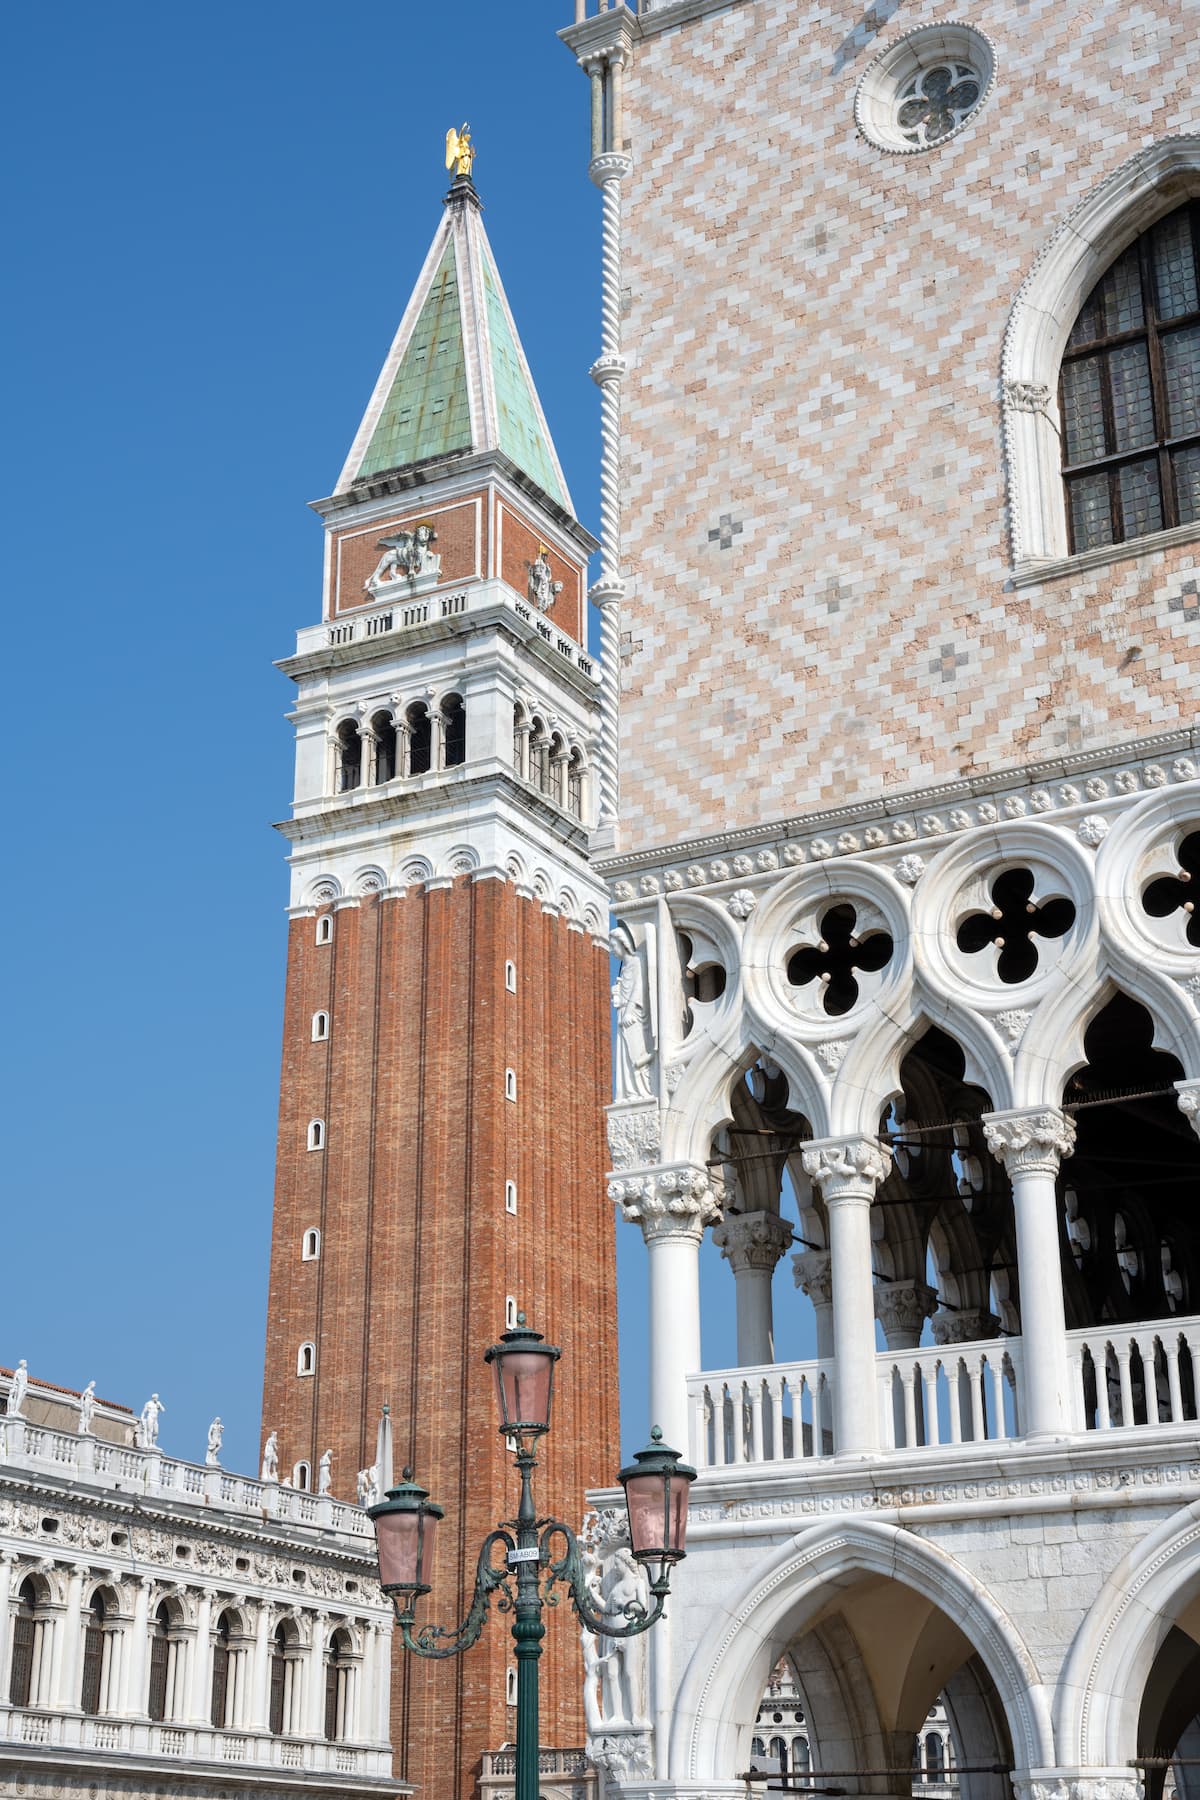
(1086, 243)
(718, 1696)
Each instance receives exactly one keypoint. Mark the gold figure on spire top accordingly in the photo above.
(460, 150)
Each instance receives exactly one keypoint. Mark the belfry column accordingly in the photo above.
(1031, 1144)
(672, 1206)
(752, 1244)
(848, 1171)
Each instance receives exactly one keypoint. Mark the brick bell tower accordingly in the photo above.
(446, 1034)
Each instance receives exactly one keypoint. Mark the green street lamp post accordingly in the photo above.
(656, 1488)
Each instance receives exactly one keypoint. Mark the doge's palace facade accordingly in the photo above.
(900, 813)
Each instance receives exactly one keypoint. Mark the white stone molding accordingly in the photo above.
(878, 97)
(1091, 237)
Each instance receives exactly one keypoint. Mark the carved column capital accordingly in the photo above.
(668, 1203)
(1189, 1102)
(753, 1240)
(813, 1275)
(902, 1308)
(1030, 1141)
(969, 1325)
(846, 1168)
(1080, 1784)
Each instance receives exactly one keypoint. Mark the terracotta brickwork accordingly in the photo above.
(815, 535)
(518, 543)
(461, 543)
(418, 1251)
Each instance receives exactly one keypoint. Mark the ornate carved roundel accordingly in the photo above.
(922, 89)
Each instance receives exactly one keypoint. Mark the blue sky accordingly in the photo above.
(216, 214)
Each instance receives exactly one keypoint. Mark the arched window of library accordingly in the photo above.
(29, 1639)
(338, 1668)
(1129, 391)
(97, 1656)
(285, 1702)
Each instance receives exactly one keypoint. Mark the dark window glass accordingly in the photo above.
(220, 1672)
(20, 1677)
(1131, 385)
(278, 1680)
(160, 1650)
(93, 1657)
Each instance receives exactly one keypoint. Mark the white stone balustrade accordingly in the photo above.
(195, 1743)
(783, 1413)
(1111, 1368)
(945, 1396)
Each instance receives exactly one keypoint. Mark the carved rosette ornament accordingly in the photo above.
(1030, 1143)
(813, 1275)
(754, 1240)
(675, 1202)
(847, 1170)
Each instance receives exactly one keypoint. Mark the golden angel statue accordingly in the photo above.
(460, 150)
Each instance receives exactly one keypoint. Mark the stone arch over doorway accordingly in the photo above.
(729, 1669)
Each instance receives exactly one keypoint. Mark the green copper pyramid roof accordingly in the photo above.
(426, 411)
(456, 378)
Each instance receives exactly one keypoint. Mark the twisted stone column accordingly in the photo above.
(1031, 1144)
(608, 171)
(847, 1172)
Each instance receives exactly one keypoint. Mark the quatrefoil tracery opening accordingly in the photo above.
(834, 960)
(1174, 893)
(1013, 923)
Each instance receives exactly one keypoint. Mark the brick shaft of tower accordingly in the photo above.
(446, 1054)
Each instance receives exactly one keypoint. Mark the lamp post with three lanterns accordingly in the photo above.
(656, 1488)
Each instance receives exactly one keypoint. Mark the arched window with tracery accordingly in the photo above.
(349, 756)
(1130, 391)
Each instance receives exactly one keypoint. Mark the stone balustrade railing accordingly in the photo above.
(1126, 1377)
(39, 1449)
(959, 1394)
(1131, 1375)
(189, 1743)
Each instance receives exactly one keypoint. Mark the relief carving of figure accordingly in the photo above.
(212, 1454)
(543, 589)
(18, 1387)
(87, 1409)
(407, 555)
(614, 1668)
(270, 1458)
(146, 1429)
(635, 1047)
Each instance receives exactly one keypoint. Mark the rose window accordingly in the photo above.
(924, 87)
(1171, 894)
(936, 101)
(836, 960)
(1013, 924)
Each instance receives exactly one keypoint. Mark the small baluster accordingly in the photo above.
(1171, 1350)
(1100, 1371)
(699, 1431)
(1150, 1378)
(887, 1407)
(1123, 1360)
(756, 1421)
(908, 1381)
(995, 1369)
(778, 1388)
(932, 1429)
(954, 1391)
(978, 1424)
(737, 1443)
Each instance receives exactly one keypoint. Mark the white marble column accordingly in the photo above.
(752, 1244)
(672, 1206)
(811, 1273)
(8, 1587)
(259, 1696)
(62, 1689)
(848, 1171)
(200, 1702)
(314, 1678)
(1031, 1144)
(134, 1689)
